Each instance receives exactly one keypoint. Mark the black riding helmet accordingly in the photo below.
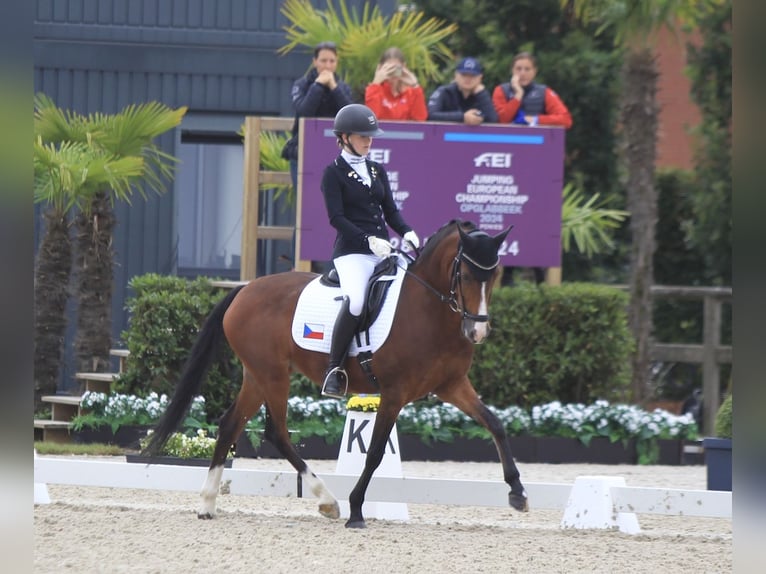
(356, 119)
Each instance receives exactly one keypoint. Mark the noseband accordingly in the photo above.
(456, 284)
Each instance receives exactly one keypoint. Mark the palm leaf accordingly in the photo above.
(271, 144)
(362, 38)
(128, 133)
(586, 223)
(636, 22)
(69, 174)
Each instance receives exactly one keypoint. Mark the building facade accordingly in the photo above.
(217, 57)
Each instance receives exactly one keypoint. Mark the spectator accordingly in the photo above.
(525, 102)
(465, 100)
(394, 93)
(318, 94)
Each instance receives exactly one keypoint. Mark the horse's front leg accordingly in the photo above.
(384, 422)
(464, 397)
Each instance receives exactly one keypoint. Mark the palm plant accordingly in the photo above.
(66, 177)
(361, 39)
(636, 24)
(585, 222)
(271, 144)
(129, 133)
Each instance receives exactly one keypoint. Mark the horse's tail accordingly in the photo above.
(201, 356)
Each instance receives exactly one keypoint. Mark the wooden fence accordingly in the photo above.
(711, 354)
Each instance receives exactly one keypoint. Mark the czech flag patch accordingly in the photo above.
(313, 331)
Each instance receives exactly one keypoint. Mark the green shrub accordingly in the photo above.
(568, 343)
(166, 313)
(723, 418)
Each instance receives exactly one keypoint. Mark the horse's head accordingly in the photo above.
(471, 255)
(473, 274)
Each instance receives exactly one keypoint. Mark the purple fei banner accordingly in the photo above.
(492, 175)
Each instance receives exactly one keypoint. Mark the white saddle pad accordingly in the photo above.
(317, 310)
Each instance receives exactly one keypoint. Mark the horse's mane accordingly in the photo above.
(434, 240)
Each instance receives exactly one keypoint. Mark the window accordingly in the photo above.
(209, 207)
(208, 193)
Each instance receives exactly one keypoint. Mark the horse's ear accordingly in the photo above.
(463, 234)
(500, 237)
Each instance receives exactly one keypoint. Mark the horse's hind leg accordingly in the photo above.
(464, 397)
(276, 433)
(232, 423)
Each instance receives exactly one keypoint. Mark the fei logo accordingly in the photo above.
(490, 159)
(380, 155)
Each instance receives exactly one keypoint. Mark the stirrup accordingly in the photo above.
(342, 378)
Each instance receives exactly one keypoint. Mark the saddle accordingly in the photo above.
(376, 290)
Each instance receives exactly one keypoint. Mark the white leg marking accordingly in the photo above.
(210, 492)
(328, 505)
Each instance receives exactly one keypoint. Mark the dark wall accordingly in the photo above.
(214, 56)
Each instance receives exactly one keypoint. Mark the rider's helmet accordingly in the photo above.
(356, 119)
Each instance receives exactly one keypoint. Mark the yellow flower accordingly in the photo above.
(364, 403)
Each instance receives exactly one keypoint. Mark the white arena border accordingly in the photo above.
(592, 502)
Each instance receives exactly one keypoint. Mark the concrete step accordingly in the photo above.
(63, 407)
(52, 431)
(97, 382)
(123, 354)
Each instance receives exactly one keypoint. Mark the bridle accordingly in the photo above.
(456, 284)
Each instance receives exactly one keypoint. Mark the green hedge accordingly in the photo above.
(723, 419)
(569, 343)
(166, 313)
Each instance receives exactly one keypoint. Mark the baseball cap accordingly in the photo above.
(469, 66)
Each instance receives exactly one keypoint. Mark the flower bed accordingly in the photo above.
(633, 434)
(114, 410)
(585, 433)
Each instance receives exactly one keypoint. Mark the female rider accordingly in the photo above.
(360, 205)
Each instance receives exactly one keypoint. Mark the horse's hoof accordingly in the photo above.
(518, 501)
(330, 510)
(204, 516)
(355, 524)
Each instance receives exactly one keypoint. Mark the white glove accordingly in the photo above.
(378, 246)
(412, 237)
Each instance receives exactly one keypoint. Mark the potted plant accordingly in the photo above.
(718, 449)
(182, 449)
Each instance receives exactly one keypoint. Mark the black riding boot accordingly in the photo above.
(336, 379)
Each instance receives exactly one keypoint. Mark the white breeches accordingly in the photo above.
(354, 270)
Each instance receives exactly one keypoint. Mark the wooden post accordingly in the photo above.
(252, 230)
(299, 264)
(711, 371)
(553, 276)
(252, 169)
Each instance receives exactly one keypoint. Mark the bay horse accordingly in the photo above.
(443, 310)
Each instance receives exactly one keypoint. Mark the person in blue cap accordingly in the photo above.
(465, 99)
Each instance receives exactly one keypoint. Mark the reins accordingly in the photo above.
(456, 283)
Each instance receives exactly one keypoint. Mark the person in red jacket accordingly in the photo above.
(523, 101)
(394, 93)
